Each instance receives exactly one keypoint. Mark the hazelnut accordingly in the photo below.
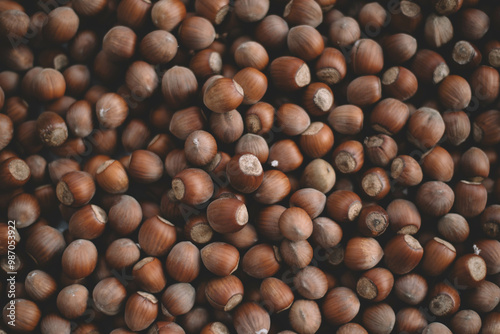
(122, 253)
(251, 318)
(340, 306)
(305, 316)
(331, 66)
(62, 25)
(178, 299)
(261, 261)
(220, 258)
(375, 284)
(28, 317)
(305, 42)
(289, 73)
(356, 251)
(224, 293)
(119, 43)
(379, 318)
(156, 236)
(141, 310)
(223, 95)
(183, 262)
(167, 14)
(303, 12)
(196, 33)
(109, 296)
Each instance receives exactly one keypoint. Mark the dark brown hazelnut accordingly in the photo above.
(289, 73)
(196, 33)
(305, 42)
(366, 57)
(251, 54)
(119, 43)
(435, 198)
(344, 31)
(400, 83)
(62, 25)
(364, 90)
(271, 32)
(425, 128)
(346, 119)
(75, 189)
(51, 128)
(306, 12)
(331, 66)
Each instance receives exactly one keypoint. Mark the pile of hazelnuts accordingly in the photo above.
(250, 166)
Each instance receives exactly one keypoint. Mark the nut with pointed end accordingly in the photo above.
(122, 253)
(79, 259)
(340, 306)
(404, 217)
(141, 310)
(346, 119)
(72, 301)
(193, 186)
(251, 318)
(311, 283)
(223, 95)
(295, 224)
(112, 177)
(305, 316)
(289, 73)
(109, 296)
(425, 128)
(220, 258)
(483, 298)
(261, 261)
(326, 232)
(343, 206)
(379, 318)
(316, 140)
(39, 285)
(227, 215)
(466, 322)
(183, 262)
(311, 200)
(296, 254)
(435, 198)
(362, 253)
(24, 209)
(148, 272)
(224, 293)
(364, 90)
(156, 236)
(28, 317)
(178, 298)
(276, 295)
(402, 254)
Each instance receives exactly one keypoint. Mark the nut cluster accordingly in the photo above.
(250, 166)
